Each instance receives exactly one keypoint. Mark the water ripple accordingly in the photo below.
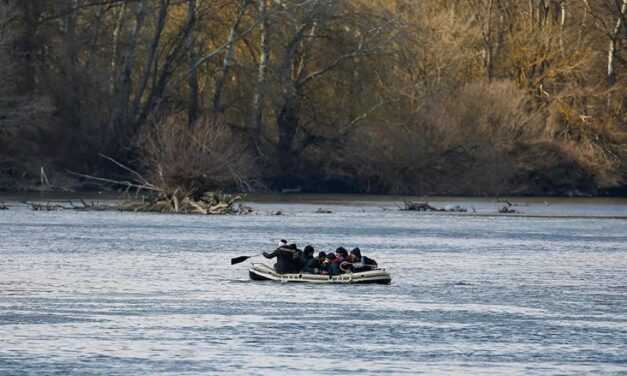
(137, 294)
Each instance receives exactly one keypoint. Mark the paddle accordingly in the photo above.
(237, 260)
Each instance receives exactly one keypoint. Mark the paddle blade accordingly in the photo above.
(239, 259)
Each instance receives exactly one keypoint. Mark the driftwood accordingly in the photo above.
(510, 203)
(419, 206)
(323, 211)
(455, 209)
(91, 206)
(505, 201)
(243, 209)
(69, 205)
(165, 199)
(210, 203)
(47, 206)
(425, 206)
(508, 207)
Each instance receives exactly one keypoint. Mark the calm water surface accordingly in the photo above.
(144, 294)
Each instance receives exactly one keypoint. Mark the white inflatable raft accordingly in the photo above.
(262, 272)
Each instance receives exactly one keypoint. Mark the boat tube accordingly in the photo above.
(262, 272)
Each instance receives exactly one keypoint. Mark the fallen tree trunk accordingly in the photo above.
(209, 204)
(69, 205)
(419, 206)
(162, 198)
(48, 206)
(425, 206)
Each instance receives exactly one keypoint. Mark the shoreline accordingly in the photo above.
(305, 197)
(604, 208)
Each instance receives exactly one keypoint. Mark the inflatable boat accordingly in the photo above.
(262, 272)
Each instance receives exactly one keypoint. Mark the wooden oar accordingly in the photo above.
(237, 260)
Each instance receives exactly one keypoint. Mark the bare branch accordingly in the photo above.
(118, 182)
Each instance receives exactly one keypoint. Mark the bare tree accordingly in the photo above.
(303, 60)
(228, 57)
(123, 85)
(262, 68)
(618, 33)
(23, 112)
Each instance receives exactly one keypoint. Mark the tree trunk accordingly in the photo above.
(124, 84)
(287, 119)
(287, 122)
(115, 55)
(562, 12)
(192, 81)
(71, 110)
(259, 95)
(193, 109)
(26, 46)
(97, 33)
(152, 55)
(228, 56)
(489, 48)
(612, 51)
(184, 41)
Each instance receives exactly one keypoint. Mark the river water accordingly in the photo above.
(108, 293)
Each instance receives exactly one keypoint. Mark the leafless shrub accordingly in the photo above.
(598, 143)
(495, 112)
(458, 142)
(205, 157)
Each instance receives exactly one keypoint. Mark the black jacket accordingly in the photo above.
(288, 259)
(312, 264)
(364, 264)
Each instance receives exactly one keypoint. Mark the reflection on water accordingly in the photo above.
(144, 294)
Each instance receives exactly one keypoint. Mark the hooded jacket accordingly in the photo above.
(288, 259)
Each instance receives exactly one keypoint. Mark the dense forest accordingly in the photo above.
(474, 97)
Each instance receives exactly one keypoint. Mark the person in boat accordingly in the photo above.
(358, 263)
(341, 255)
(314, 266)
(325, 262)
(289, 259)
(330, 265)
(307, 256)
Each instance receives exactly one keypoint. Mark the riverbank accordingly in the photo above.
(325, 204)
(60, 183)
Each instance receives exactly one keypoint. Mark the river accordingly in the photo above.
(109, 293)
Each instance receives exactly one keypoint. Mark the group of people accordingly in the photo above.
(290, 259)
